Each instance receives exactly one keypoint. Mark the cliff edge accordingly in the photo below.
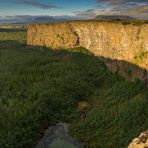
(140, 142)
(117, 41)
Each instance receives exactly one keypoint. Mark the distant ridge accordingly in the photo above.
(26, 19)
(113, 17)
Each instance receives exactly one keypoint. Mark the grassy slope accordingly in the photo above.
(39, 87)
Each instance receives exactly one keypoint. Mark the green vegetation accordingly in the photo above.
(59, 143)
(141, 56)
(40, 87)
(7, 35)
(13, 27)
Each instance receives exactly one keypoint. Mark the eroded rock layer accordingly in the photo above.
(119, 44)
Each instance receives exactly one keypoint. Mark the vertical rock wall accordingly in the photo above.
(53, 36)
(118, 41)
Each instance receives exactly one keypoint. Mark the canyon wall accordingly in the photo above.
(118, 44)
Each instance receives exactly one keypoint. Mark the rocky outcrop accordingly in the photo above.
(58, 136)
(54, 36)
(140, 142)
(120, 41)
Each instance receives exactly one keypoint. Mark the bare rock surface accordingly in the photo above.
(116, 41)
(140, 142)
(58, 137)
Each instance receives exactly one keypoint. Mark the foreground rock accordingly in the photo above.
(57, 137)
(141, 141)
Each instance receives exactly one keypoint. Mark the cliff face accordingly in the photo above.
(54, 36)
(114, 40)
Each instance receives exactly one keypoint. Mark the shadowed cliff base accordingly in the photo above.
(125, 69)
(119, 40)
(43, 86)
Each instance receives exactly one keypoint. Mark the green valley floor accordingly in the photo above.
(41, 87)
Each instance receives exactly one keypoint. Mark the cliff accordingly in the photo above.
(140, 142)
(114, 42)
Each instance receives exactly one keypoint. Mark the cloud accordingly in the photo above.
(113, 2)
(35, 4)
(124, 7)
(134, 8)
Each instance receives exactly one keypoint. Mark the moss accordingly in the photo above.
(141, 56)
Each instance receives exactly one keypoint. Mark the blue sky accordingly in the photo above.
(62, 7)
(83, 8)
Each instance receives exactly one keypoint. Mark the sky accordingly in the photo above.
(80, 8)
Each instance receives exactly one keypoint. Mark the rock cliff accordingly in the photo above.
(115, 42)
(140, 142)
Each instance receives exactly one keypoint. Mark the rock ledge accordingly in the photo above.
(140, 142)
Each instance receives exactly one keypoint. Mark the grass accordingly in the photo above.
(40, 87)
